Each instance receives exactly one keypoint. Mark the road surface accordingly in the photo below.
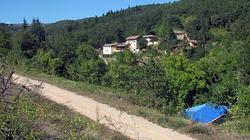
(132, 126)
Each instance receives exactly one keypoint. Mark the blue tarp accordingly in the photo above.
(206, 113)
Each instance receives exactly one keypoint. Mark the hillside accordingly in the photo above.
(197, 17)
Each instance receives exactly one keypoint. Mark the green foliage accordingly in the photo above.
(165, 32)
(185, 80)
(87, 66)
(142, 43)
(221, 67)
(196, 53)
(47, 62)
(149, 87)
(244, 62)
(119, 36)
(242, 107)
(33, 39)
(219, 33)
(4, 39)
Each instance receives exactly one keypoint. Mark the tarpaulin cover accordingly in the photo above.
(206, 113)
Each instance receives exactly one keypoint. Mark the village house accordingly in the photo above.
(151, 40)
(133, 43)
(180, 35)
(108, 49)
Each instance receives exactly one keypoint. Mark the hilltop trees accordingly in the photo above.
(4, 39)
(33, 39)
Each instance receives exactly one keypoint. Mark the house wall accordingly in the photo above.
(113, 50)
(133, 46)
(107, 50)
(181, 36)
(150, 42)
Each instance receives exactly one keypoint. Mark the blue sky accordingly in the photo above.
(13, 11)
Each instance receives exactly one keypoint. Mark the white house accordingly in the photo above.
(133, 43)
(108, 48)
(180, 35)
(151, 40)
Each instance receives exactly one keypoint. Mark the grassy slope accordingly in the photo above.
(121, 101)
(40, 118)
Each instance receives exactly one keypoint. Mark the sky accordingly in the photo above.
(48, 11)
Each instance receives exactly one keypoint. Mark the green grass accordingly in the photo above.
(120, 100)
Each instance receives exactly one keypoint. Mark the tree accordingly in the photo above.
(119, 35)
(29, 45)
(167, 35)
(221, 67)
(185, 80)
(242, 107)
(47, 62)
(87, 66)
(118, 70)
(33, 39)
(244, 61)
(198, 29)
(142, 43)
(4, 39)
(25, 24)
(37, 30)
(175, 22)
(149, 86)
(169, 40)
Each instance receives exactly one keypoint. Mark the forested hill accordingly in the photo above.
(202, 19)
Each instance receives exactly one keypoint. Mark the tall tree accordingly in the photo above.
(119, 35)
(25, 24)
(33, 39)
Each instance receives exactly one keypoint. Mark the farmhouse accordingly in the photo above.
(133, 43)
(108, 49)
(151, 40)
(180, 35)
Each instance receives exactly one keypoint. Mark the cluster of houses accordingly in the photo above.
(132, 44)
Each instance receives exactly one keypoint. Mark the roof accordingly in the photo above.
(193, 41)
(149, 36)
(136, 37)
(206, 113)
(179, 32)
(123, 44)
(110, 45)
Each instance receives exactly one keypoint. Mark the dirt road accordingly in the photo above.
(129, 125)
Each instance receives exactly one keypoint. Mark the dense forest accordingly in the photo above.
(217, 71)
